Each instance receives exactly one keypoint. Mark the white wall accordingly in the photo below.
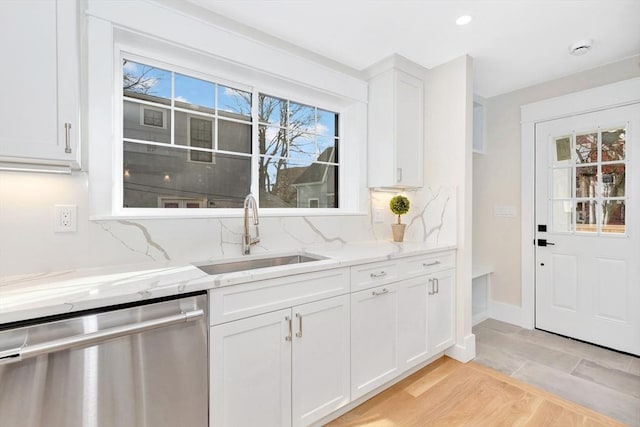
(449, 128)
(496, 174)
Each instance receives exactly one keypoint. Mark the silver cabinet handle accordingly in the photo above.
(67, 138)
(288, 319)
(86, 340)
(437, 281)
(399, 174)
(424, 264)
(382, 292)
(431, 290)
(376, 275)
(299, 333)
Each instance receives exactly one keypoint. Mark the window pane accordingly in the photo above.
(586, 181)
(302, 118)
(562, 183)
(613, 180)
(586, 216)
(302, 148)
(146, 123)
(272, 110)
(234, 136)
(613, 212)
(613, 145)
(234, 103)
(327, 123)
(194, 94)
(201, 136)
(325, 143)
(272, 141)
(286, 184)
(562, 150)
(193, 130)
(587, 148)
(145, 82)
(156, 177)
(562, 211)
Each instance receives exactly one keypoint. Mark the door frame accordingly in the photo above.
(613, 95)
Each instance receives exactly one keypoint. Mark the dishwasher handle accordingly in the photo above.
(85, 340)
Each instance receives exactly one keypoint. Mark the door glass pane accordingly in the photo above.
(562, 150)
(613, 145)
(586, 181)
(613, 180)
(562, 183)
(194, 94)
(587, 148)
(561, 212)
(613, 216)
(586, 219)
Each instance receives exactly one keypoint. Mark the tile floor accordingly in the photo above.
(603, 380)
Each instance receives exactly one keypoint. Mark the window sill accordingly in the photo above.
(224, 213)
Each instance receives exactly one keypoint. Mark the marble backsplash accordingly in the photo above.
(29, 245)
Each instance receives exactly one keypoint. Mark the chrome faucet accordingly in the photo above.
(247, 240)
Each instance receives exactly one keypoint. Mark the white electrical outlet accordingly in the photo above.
(378, 215)
(65, 218)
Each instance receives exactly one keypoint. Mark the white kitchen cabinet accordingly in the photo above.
(441, 310)
(413, 336)
(257, 362)
(39, 114)
(374, 338)
(395, 132)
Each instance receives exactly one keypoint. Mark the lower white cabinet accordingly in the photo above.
(441, 310)
(388, 332)
(288, 367)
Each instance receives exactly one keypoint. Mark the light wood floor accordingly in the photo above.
(450, 393)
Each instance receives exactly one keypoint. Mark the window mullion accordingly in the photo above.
(172, 134)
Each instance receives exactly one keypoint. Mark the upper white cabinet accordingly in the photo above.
(395, 131)
(39, 116)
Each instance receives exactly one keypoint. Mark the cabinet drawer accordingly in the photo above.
(249, 299)
(427, 264)
(373, 274)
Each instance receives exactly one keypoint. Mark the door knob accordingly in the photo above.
(543, 242)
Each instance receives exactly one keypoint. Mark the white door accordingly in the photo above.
(251, 371)
(320, 359)
(588, 214)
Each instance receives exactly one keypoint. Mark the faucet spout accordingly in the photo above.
(247, 239)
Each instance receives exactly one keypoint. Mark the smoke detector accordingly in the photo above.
(581, 47)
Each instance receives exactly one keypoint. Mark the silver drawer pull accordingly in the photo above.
(382, 292)
(299, 333)
(67, 138)
(431, 264)
(288, 319)
(432, 289)
(381, 274)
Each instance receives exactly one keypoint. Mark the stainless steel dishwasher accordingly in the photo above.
(132, 365)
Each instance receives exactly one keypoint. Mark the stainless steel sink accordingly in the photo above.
(252, 264)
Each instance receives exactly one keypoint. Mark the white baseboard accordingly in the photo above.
(508, 313)
(479, 317)
(463, 352)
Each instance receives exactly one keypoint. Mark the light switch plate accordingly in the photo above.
(378, 215)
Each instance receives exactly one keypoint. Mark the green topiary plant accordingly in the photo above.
(399, 205)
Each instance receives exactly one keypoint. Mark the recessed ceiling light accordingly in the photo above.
(581, 47)
(463, 20)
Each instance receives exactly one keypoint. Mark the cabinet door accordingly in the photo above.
(320, 359)
(40, 81)
(374, 338)
(412, 322)
(441, 311)
(251, 371)
(408, 129)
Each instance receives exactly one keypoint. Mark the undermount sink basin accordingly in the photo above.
(252, 264)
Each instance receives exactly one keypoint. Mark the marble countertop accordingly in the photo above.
(38, 295)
